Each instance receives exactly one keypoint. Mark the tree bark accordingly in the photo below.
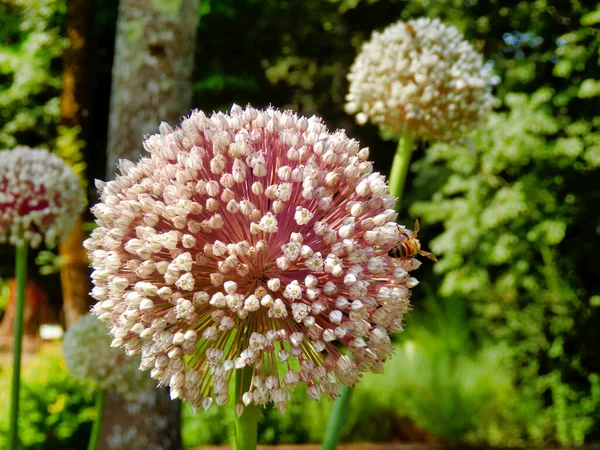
(74, 100)
(74, 105)
(152, 70)
(74, 275)
(151, 82)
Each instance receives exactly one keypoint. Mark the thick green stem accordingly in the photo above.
(21, 276)
(400, 167)
(336, 420)
(246, 426)
(97, 426)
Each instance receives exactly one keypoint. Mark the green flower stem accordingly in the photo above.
(21, 276)
(246, 426)
(400, 167)
(97, 426)
(337, 419)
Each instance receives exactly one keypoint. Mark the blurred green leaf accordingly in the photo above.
(589, 88)
(591, 18)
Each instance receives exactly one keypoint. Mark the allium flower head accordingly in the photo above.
(40, 197)
(88, 354)
(420, 77)
(253, 239)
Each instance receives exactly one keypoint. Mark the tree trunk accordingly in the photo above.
(151, 82)
(152, 71)
(74, 105)
(74, 275)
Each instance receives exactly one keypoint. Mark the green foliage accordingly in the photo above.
(48, 262)
(69, 147)
(31, 47)
(515, 207)
(210, 427)
(4, 294)
(56, 411)
(30, 78)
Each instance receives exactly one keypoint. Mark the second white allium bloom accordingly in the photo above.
(251, 239)
(40, 197)
(422, 78)
(88, 354)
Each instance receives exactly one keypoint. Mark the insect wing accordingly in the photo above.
(429, 255)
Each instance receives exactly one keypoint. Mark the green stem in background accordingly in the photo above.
(397, 180)
(337, 419)
(400, 167)
(246, 426)
(21, 276)
(97, 426)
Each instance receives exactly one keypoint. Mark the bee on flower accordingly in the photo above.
(410, 246)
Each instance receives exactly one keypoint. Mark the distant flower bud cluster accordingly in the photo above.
(88, 354)
(255, 239)
(40, 197)
(420, 77)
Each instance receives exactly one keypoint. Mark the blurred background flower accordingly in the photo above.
(89, 356)
(39, 196)
(422, 78)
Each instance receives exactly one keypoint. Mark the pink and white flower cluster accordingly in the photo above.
(256, 239)
(40, 197)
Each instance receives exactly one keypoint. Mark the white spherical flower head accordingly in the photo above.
(422, 78)
(89, 355)
(244, 241)
(40, 197)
